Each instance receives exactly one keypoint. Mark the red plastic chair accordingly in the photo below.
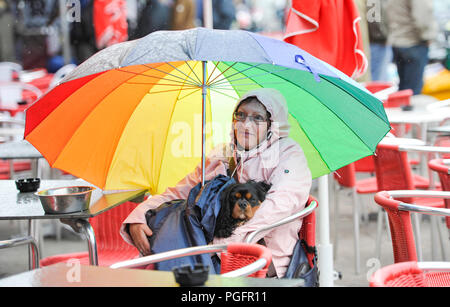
(376, 86)
(345, 178)
(237, 259)
(5, 170)
(412, 274)
(393, 172)
(397, 205)
(398, 99)
(443, 170)
(307, 232)
(111, 247)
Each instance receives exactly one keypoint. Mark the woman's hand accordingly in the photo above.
(139, 233)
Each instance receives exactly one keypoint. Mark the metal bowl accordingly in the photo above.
(66, 199)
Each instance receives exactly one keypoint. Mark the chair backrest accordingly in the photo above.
(239, 255)
(241, 259)
(11, 93)
(442, 169)
(398, 99)
(365, 165)
(107, 225)
(308, 233)
(392, 169)
(412, 274)
(7, 69)
(376, 86)
(403, 244)
(346, 176)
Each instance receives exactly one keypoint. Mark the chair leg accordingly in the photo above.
(434, 239)
(379, 229)
(417, 235)
(442, 240)
(356, 232)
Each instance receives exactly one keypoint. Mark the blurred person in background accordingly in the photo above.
(7, 52)
(82, 34)
(183, 15)
(223, 14)
(380, 51)
(412, 27)
(155, 15)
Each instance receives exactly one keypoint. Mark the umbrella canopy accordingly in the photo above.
(131, 115)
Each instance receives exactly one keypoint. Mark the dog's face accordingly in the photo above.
(239, 203)
(244, 199)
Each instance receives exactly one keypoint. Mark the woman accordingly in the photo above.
(262, 151)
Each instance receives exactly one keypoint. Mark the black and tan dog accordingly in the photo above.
(239, 203)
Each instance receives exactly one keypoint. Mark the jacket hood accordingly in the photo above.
(276, 105)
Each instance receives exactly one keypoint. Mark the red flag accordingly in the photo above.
(110, 22)
(329, 30)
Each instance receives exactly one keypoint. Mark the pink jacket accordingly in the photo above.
(278, 160)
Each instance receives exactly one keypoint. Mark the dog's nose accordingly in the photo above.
(242, 204)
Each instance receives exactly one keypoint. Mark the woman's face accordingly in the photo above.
(250, 131)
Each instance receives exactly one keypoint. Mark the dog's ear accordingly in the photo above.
(262, 188)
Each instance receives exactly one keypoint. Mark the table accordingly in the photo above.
(27, 206)
(441, 129)
(418, 116)
(19, 150)
(62, 274)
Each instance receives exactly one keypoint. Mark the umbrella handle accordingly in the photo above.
(301, 60)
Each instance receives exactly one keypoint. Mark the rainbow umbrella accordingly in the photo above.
(143, 113)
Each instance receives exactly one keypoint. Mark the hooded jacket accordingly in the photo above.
(278, 160)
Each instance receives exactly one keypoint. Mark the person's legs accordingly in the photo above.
(411, 64)
(380, 57)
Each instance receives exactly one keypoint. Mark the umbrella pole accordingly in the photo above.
(204, 92)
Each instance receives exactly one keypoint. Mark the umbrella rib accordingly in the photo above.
(174, 90)
(215, 90)
(155, 77)
(249, 77)
(176, 68)
(194, 90)
(223, 87)
(214, 69)
(164, 72)
(237, 72)
(222, 72)
(192, 70)
(146, 83)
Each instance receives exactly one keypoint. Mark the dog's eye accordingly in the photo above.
(238, 195)
(248, 195)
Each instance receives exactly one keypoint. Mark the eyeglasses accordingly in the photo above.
(241, 117)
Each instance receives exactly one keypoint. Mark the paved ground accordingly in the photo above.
(14, 260)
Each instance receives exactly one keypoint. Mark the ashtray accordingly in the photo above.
(28, 184)
(188, 276)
